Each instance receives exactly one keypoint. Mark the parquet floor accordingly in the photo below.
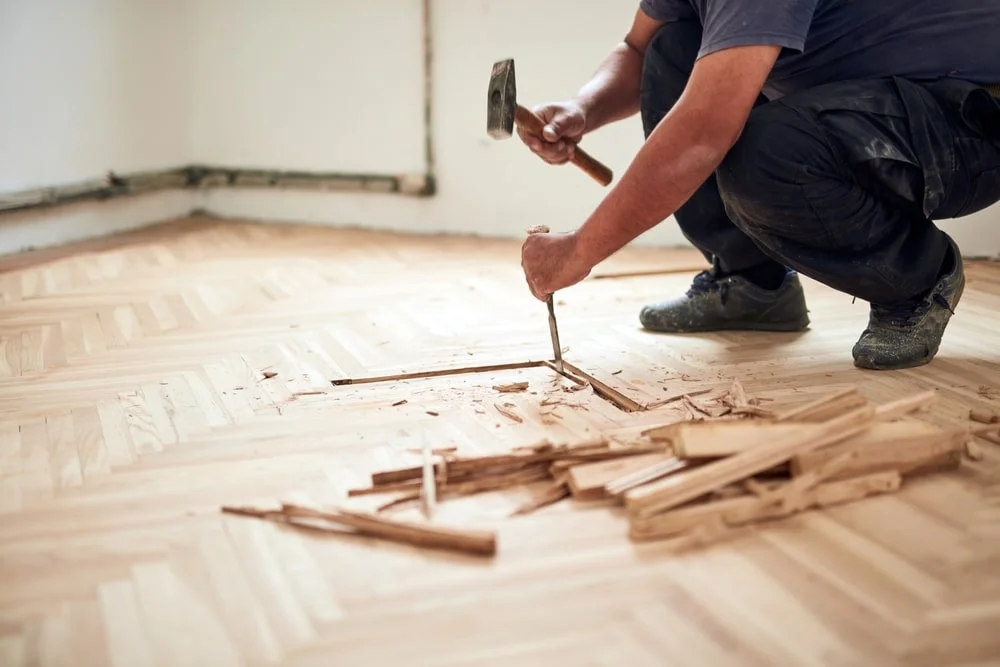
(133, 404)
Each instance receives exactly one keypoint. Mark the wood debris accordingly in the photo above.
(457, 476)
(692, 482)
(550, 496)
(991, 419)
(269, 374)
(513, 387)
(506, 411)
(475, 542)
(587, 481)
(984, 417)
(400, 402)
(829, 451)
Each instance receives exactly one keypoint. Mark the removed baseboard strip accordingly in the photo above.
(199, 177)
(111, 186)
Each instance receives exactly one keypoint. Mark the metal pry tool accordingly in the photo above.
(502, 111)
(553, 329)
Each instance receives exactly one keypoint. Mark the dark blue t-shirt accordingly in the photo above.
(834, 40)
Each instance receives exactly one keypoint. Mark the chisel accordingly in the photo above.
(554, 333)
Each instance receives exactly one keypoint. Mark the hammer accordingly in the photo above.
(502, 111)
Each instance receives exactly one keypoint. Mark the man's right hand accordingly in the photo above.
(564, 126)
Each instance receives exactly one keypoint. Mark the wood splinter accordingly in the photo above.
(507, 412)
(475, 542)
(511, 388)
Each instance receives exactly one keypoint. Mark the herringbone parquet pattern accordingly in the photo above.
(147, 380)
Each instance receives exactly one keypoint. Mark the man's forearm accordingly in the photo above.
(612, 94)
(672, 164)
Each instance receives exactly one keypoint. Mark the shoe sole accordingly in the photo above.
(786, 327)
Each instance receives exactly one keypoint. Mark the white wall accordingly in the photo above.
(90, 86)
(485, 186)
(309, 84)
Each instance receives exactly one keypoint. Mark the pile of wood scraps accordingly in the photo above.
(728, 464)
(455, 476)
(833, 451)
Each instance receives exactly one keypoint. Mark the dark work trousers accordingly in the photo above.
(840, 182)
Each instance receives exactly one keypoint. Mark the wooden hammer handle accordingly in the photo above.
(581, 158)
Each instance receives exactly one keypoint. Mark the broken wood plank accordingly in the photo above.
(717, 439)
(665, 494)
(603, 390)
(675, 490)
(587, 480)
(550, 496)
(489, 483)
(652, 473)
(904, 406)
(478, 542)
(827, 407)
(790, 495)
(475, 542)
(906, 446)
(751, 508)
(582, 452)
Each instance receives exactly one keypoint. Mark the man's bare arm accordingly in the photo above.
(612, 94)
(681, 153)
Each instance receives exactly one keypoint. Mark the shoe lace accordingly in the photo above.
(706, 282)
(907, 312)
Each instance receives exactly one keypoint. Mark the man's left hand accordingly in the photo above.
(552, 262)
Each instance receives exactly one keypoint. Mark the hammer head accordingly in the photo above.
(501, 100)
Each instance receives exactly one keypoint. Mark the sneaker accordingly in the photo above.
(909, 334)
(730, 303)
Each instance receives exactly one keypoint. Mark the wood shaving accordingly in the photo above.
(513, 387)
(507, 412)
(973, 451)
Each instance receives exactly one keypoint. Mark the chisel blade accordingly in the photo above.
(554, 333)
